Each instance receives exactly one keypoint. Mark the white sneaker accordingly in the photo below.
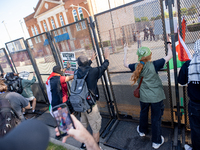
(187, 147)
(156, 146)
(140, 133)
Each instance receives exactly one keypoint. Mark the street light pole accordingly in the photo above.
(6, 29)
(22, 28)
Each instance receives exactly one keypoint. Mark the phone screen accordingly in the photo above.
(63, 119)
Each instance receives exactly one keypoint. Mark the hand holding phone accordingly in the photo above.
(80, 134)
(63, 119)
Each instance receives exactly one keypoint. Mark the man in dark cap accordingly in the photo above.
(57, 87)
(94, 117)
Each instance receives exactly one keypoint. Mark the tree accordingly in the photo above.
(152, 18)
(158, 17)
(137, 20)
(144, 19)
(192, 10)
(184, 11)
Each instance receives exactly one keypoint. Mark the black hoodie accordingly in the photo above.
(93, 75)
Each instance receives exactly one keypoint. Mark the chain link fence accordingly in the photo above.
(4, 62)
(190, 11)
(77, 38)
(42, 53)
(138, 24)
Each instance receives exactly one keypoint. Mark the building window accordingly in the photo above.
(53, 25)
(45, 27)
(80, 12)
(78, 28)
(62, 23)
(36, 30)
(33, 31)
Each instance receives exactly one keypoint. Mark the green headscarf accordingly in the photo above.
(143, 52)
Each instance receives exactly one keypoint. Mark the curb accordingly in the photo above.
(57, 142)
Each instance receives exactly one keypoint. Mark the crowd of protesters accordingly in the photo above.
(151, 96)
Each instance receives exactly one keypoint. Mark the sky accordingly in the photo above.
(11, 12)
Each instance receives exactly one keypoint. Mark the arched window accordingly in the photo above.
(36, 30)
(75, 15)
(33, 31)
(53, 25)
(78, 28)
(61, 20)
(62, 23)
(45, 26)
(80, 12)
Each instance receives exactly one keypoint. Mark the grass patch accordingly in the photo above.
(53, 146)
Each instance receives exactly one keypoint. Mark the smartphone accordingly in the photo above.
(63, 119)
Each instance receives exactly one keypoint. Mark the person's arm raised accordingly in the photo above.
(169, 53)
(68, 78)
(125, 55)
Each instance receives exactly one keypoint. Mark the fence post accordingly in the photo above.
(56, 57)
(37, 72)
(111, 106)
(10, 63)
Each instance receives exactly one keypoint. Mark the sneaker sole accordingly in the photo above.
(140, 134)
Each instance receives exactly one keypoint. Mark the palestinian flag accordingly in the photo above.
(183, 53)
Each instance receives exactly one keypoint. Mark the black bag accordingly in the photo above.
(14, 83)
(80, 97)
(8, 117)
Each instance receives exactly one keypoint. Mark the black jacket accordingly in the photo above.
(93, 76)
(193, 89)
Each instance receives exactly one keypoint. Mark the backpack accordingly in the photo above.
(14, 83)
(8, 116)
(80, 97)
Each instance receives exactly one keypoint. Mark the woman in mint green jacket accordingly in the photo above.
(151, 91)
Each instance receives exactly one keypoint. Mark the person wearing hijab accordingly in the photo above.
(190, 74)
(57, 88)
(151, 91)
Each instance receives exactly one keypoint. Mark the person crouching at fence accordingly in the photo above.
(27, 91)
(151, 91)
(16, 100)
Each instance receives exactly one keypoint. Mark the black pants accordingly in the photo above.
(156, 114)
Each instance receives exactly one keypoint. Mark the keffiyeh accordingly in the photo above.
(194, 67)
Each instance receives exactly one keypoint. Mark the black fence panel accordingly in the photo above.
(6, 65)
(190, 11)
(42, 52)
(127, 24)
(18, 52)
(76, 38)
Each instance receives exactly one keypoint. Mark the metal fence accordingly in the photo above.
(190, 11)
(127, 24)
(6, 65)
(139, 23)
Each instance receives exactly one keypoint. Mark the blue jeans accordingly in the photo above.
(156, 114)
(194, 118)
